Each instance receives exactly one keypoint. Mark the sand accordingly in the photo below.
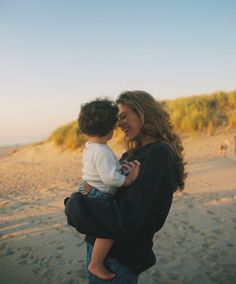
(196, 245)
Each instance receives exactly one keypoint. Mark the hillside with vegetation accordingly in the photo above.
(203, 113)
(195, 114)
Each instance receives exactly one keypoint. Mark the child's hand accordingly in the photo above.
(134, 171)
(126, 166)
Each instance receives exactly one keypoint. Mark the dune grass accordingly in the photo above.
(68, 135)
(193, 114)
(203, 113)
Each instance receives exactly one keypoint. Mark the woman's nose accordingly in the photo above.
(119, 123)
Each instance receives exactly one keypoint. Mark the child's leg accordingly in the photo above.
(100, 251)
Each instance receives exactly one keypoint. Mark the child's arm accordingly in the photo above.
(107, 167)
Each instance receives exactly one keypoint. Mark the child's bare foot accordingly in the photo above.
(99, 270)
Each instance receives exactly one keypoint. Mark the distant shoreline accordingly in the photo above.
(10, 149)
(15, 142)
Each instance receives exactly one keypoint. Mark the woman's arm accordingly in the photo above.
(122, 219)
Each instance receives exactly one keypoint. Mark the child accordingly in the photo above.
(101, 169)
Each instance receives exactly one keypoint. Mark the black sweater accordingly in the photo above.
(136, 213)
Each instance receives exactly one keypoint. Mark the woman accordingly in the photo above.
(140, 210)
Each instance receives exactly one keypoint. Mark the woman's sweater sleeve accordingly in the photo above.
(121, 219)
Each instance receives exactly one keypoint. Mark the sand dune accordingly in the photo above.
(196, 245)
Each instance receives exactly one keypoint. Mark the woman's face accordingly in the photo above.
(129, 122)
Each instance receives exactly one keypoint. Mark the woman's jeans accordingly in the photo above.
(123, 274)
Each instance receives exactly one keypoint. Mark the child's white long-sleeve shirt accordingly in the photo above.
(101, 168)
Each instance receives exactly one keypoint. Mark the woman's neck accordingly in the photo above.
(147, 140)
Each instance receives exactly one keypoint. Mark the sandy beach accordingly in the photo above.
(196, 245)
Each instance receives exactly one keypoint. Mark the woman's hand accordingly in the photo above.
(133, 172)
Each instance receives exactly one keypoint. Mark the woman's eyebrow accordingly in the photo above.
(121, 114)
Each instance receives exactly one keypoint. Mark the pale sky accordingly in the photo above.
(55, 55)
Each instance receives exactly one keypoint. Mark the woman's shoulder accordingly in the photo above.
(159, 147)
(152, 149)
(161, 151)
(158, 151)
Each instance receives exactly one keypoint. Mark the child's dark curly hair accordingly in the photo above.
(98, 117)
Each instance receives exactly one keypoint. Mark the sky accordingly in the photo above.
(56, 55)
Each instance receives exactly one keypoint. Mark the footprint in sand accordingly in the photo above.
(35, 261)
(179, 242)
(24, 255)
(213, 237)
(48, 272)
(193, 229)
(207, 245)
(22, 262)
(60, 247)
(36, 270)
(214, 256)
(69, 261)
(8, 251)
(2, 247)
(22, 259)
(191, 206)
(203, 234)
(214, 276)
(216, 219)
(217, 231)
(59, 260)
(60, 230)
(228, 244)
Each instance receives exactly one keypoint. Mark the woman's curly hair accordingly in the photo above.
(98, 117)
(156, 124)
